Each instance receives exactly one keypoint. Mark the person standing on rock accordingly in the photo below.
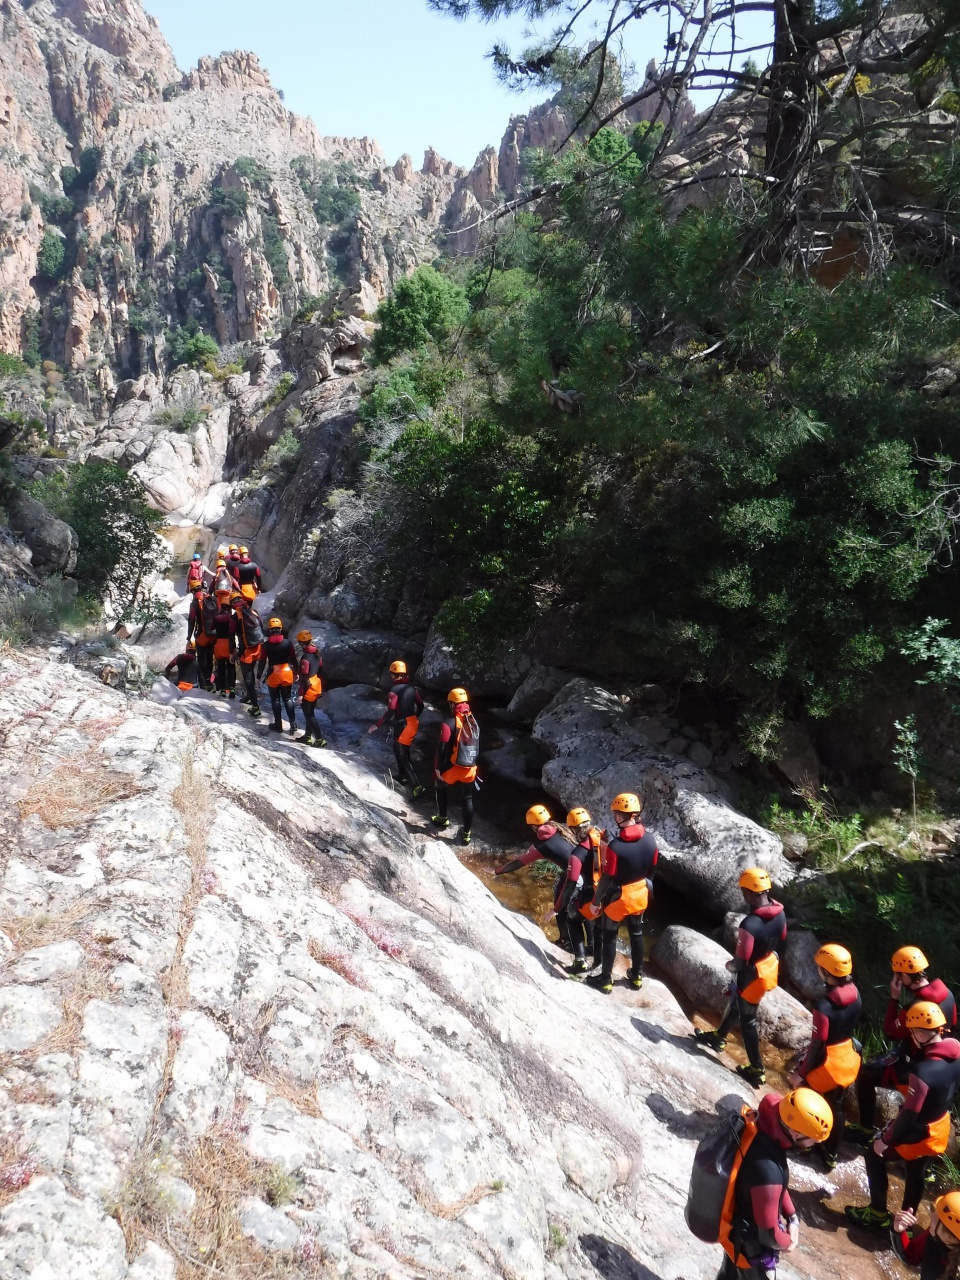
(188, 670)
(281, 663)
(402, 716)
(455, 763)
(250, 638)
(195, 572)
(922, 1129)
(936, 1250)
(756, 965)
(759, 1220)
(629, 860)
(247, 576)
(550, 844)
(582, 930)
(225, 649)
(833, 1060)
(910, 982)
(200, 627)
(233, 559)
(311, 687)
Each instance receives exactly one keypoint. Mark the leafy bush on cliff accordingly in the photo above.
(51, 260)
(187, 345)
(424, 307)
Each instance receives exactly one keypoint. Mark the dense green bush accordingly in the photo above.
(52, 258)
(187, 345)
(252, 171)
(229, 204)
(26, 612)
(274, 251)
(424, 307)
(12, 366)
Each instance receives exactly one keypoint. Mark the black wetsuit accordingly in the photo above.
(551, 846)
(195, 632)
(584, 935)
(630, 857)
(248, 575)
(444, 763)
(280, 651)
(761, 933)
(225, 650)
(762, 1206)
(311, 664)
(245, 619)
(188, 668)
(404, 708)
(924, 1251)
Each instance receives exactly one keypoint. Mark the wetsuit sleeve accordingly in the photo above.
(304, 674)
(893, 1021)
(569, 885)
(193, 621)
(417, 703)
(905, 1124)
(744, 952)
(170, 665)
(443, 759)
(765, 1202)
(391, 712)
(532, 855)
(818, 1042)
(258, 580)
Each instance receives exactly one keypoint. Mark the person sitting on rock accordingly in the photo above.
(281, 662)
(832, 1061)
(628, 862)
(247, 575)
(582, 929)
(759, 1220)
(455, 763)
(910, 982)
(756, 965)
(922, 1129)
(402, 716)
(933, 1252)
(550, 844)
(188, 670)
(311, 687)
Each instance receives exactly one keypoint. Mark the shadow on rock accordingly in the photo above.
(656, 1035)
(549, 966)
(692, 1124)
(613, 1262)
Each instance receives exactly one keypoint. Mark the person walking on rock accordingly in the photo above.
(933, 1252)
(402, 716)
(225, 649)
(629, 860)
(201, 628)
(311, 687)
(582, 929)
(910, 982)
(455, 762)
(550, 844)
(759, 1220)
(281, 663)
(248, 576)
(922, 1129)
(250, 638)
(188, 670)
(832, 1061)
(756, 965)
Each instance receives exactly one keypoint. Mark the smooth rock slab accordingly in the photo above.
(45, 1234)
(26, 1016)
(53, 961)
(270, 1228)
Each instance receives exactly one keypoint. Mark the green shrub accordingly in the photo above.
(181, 415)
(172, 90)
(187, 345)
(424, 307)
(284, 386)
(274, 251)
(29, 611)
(230, 204)
(12, 366)
(144, 158)
(252, 171)
(32, 331)
(280, 460)
(52, 258)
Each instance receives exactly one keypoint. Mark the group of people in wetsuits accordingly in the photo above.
(606, 879)
(225, 632)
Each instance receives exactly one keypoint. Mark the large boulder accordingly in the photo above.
(540, 685)
(698, 966)
(361, 657)
(704, 841)
(441, 669)
(52, 542)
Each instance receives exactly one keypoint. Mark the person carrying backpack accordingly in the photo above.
(756, 965)
(935, 1251)
(740, 1195)
(404, 708)
(311, 687)
(225, 650)
(250, 638)
(188, 672)
(455, 763)
(201, 628)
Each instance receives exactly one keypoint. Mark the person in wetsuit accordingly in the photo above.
(247, 575)
(248, 626)
(282, 662)
(922, 1129)
(910, 982)
(311, 687)
(756, 965)
(455, 763)
(629, 860)
(761, 1222)
(225, 649)
(933, 1252)
(404, 709)
(233, 560)
(188, 669)
(204, 642)
(833, 1059)
(548, 843)
(582, 929)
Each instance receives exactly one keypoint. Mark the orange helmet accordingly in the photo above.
(806, 1112)
(304, 637)
(626, 802)
(908, 960)
(925, 1016)
(537, 815)
(457, 695)
(948, 1211)
(835, 960)
(233, 547)
(577, 817)
(399, 668)
(244, 551)
(275, 624)
(755, 879)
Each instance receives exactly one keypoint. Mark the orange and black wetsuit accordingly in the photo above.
(250, 655)
(404, 708)
(248, 579)
(205, 643)
(924, 1252)
(225, 650)
(833, 1060)
(891, 1070)
(762, 1209)
(761, 933)
(629, 860)
(188, 670)
(450, 776)
(311, 687)
(281, 665)
(551, 845)
(922, 1129)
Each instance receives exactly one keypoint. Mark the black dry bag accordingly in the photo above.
(468, 740)
(713, 1165)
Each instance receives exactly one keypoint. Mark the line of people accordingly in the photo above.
(605, 879)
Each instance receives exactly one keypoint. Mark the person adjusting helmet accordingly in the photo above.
(933, 1252)
(832, 1061)
(909, 983)
(549, 843)
(922, 1129)
(756, 965)
(311, 687)
(759, 1220)
(281, 658)
(402, 717)
(629, 857)
(583, 931)
(455, 762)
(188, 669)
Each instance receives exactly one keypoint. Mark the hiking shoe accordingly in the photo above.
(232, 694)
(859, 1134)
(600, 982)
(317, 742)
(464, 837)
(867, 1216)
(634, 980)
(305, 739)
(711, 1040)
(753, 1075)
(577, 969)
(275, 728)
(439, 821)
(828, 1159)
(419, 791)
(221, 693)
(255, 713)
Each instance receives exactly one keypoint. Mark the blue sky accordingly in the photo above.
(392, 69)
